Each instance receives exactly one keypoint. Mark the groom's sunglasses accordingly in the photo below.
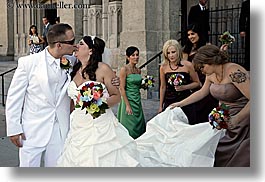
(71, 42)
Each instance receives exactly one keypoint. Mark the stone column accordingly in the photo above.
(21, 31)
(28, 21)
(85, 23)
(15, 33)
(7, 22)
(105, 5)
(86, 18)
(89, 22)
(114, 17)
(95, 14)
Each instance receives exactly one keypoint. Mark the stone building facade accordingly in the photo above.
(146, 24)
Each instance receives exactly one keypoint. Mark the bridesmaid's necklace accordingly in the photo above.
(222, 74)
(172, 68)
(133, 69)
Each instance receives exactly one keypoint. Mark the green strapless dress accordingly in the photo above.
(135, 123)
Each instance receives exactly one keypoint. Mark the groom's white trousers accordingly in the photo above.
(31, 156)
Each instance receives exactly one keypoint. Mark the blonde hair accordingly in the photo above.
(178, 48)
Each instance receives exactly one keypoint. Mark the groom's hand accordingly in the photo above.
(115, 81)
(17, 139)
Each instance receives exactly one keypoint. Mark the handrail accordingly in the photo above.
(3, 84)
(2, 74)
(150, 60)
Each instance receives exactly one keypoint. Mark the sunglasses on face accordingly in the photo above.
(70, 42)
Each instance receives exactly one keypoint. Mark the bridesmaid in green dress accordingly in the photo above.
(130, 112)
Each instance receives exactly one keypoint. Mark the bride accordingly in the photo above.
(103, 142)
(100, 142)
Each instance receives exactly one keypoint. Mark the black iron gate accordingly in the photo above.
(222, 18)
(227, 19)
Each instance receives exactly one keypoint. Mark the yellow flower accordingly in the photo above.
(87, 93)
(64, 61)
(93, 108)
(150, 82)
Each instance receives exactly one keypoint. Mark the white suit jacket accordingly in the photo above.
(30, 108)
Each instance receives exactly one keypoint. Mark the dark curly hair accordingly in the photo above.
(202, 40)
(97, 45)
(33, 26)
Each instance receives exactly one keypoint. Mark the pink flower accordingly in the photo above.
(96, 95)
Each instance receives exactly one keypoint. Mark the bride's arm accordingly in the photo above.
(114, 94)
(72, 106)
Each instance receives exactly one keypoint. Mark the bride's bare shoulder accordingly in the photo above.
(104, 66)
(104, 72)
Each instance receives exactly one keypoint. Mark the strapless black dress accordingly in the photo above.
(172, 95)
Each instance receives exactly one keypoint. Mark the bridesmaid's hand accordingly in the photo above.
(176, 104)
(218, 127)
(232, 123)
(224, 47)
(160, 109)
(180, 88)
(129, 110)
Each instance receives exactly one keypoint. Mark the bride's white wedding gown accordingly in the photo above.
(168, 142)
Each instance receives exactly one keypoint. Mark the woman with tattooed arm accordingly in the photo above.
(229, 83)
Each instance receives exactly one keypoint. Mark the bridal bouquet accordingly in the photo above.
(147, 82)
(90, 97)
(227, 38)
(219, 116)
(176, 79)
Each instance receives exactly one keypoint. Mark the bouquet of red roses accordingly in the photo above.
(147, 82)
(90, 97)
(219, 116)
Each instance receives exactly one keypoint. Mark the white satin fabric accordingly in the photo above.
(100, 142)
(168, 142)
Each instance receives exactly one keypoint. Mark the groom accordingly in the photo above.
(37, 106)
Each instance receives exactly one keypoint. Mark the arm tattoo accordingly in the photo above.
(238, 76)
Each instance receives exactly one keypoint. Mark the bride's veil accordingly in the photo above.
(106, 56)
